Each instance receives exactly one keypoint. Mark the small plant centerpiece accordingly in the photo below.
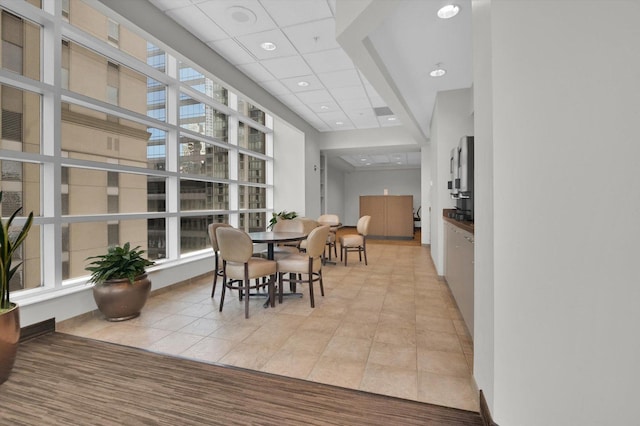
(121, 284)
(283, 215)
(10, 241)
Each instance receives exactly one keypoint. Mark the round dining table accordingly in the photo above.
(272, 238)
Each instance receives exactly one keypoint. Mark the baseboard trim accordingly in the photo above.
(38, 329)
(485, 414)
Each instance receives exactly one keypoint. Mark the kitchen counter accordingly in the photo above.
(462, 224)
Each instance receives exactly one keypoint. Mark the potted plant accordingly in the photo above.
(10, 241)
(121, 284)
(283, 215)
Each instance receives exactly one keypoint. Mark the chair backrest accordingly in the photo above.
(212, 234)
(329, 219)
(316, 240)
(308, 225)
(288, 225)
(363, 225)
(235, 244)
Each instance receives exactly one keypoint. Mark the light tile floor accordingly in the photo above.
(390, 328)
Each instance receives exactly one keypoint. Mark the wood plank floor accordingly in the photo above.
(60, 379)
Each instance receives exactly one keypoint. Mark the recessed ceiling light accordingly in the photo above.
(399, 162)
(391, 119)
(368, 164)
(267, 45)
(438, 71)
(448, 11)
(303, 83)
(363, 159)
(339, 123)
(324, 107)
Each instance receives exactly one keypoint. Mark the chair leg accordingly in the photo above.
(280, 284)
(321, 286)
(272, 295)
(215, 275)
(224, 288)
(310, 278)
(364, 249)
(246, 299)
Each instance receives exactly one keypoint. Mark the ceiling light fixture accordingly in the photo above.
(339, 123)
(448, 11)
(268, 46)
(391, 119)
(324, 107)
(438, 71)
(303, 83)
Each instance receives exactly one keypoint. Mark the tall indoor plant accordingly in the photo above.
(121, 284)
(10, 241)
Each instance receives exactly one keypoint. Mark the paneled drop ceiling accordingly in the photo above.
(311, 73)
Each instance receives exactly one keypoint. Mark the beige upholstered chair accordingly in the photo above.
(239, 267)
(308, 226)
(216, 250)
(305, 267)
(333, 220)
(352, 242)
(285, 249)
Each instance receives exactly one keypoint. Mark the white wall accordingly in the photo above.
(398, 182)
(289, 175)
(425, 194)
(565, 109)
(335, 193)
(452, 119)
(312, 174)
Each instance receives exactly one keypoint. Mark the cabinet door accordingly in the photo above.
(373, 205)
(399, 216)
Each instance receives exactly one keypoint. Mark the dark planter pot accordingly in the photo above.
(9, 339)
(119, 300)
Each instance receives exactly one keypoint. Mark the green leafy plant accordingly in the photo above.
(10, 241)
(118, 263)
(275, 217)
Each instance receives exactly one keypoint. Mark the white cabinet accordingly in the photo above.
(458, 269)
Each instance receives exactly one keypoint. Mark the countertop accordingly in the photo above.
(462, 224)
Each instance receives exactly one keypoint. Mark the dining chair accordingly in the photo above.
(285, 249)
(305, 267)
(333, 220)
(308, 226)
(216, 251)
(356, 242)
(239, 267)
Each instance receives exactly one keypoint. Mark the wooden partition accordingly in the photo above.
(391, 215)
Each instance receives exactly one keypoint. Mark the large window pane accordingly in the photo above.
(202, 84)
(84, 239)
(251, 197)
(251, 169)
(253, 222)
(111, 82)
(202, 118)
(156, 194)
(157, 239)
(194, 232)
(92, 135)
(102, 192)
(201, 158)
(29, 274)
(197, 195)
(251, 111)
(251, 138)
(21, 118)
(20, 45)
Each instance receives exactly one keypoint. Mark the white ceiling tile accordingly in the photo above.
(313, 36)
(328, 60)
(165, 5)
(285, 13)
(256, 72)
(333, 116)
(252, 42)
(385, 122)
(332, 6)
(315, 96)
(232, 51)
(377, 101)
(343, 126)
(311, 80)
(291, 66)
(361, 113)
(360, 103)
(365, 123)
(238, 17)
(192, 19)
(347, 93)
(343, 78)
(324, 106)
(275, 87)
